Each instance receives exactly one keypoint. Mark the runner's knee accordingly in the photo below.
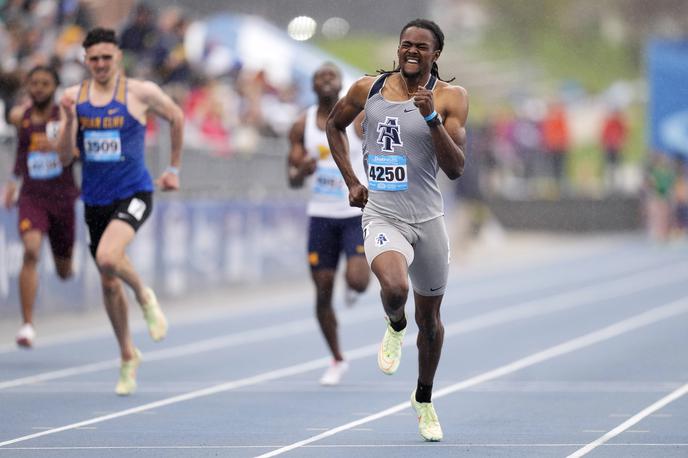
(107, 262)
(31, 257)
(65, 272)
(394, 290)
(358, 281)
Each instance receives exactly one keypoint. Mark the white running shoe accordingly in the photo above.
(25, 335)
(333, 374)
(389, 354)
(155, 319)
(127, 375)
(351, 296)
(428, 423)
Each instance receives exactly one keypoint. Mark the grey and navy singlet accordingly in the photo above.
(400, 159)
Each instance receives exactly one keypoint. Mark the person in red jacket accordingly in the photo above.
(613, 138)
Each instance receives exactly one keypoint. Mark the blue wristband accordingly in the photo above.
(430, 117)
(172, 169)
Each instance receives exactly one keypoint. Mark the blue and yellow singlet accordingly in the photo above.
(111, 146)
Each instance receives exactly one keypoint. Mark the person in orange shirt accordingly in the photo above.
(555, 139)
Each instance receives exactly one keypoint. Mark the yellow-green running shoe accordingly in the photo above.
(155, 319)
(389, 354)
(127, 375)
(428, 423)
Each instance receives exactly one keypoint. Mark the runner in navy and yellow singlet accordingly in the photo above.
(414, 126)
(334, 227)
(47, 193)
(105, 118)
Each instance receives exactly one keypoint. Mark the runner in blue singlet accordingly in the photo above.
(105, 119)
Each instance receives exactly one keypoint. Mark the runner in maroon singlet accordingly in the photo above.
(47, 193)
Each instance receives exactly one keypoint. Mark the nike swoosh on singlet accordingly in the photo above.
(408, 111)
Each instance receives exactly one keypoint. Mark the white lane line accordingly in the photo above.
(550, 304)
(247, 306)
(480, 293)
(61, 373)
(45, 342)
(335, 446)
(149, 447)
(578, 386)
(468, 444)
(216, 343)
(630, 324)
(559, 302)
(674, 395)
(629, 267)
(231, 385)
(644, 319)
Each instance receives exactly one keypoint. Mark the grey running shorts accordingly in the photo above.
(424, 245)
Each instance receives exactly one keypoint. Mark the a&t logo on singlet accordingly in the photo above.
(381, 239)
(389, 136)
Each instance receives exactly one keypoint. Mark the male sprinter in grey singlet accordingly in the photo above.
(414, 125)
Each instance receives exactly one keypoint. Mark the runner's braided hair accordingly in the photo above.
(439, 44)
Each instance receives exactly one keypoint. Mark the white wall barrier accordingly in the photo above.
(185, 247)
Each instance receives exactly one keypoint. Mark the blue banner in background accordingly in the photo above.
(668, 96)
(185, 246)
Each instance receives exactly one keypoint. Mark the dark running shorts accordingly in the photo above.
(329, 237)
(133, 210)
(52, 217)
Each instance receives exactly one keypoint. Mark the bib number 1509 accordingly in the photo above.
(102, 145)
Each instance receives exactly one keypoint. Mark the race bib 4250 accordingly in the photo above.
(387, 173)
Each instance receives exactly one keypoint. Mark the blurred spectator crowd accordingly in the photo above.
(227, 109)
(666, 197)
(524, 152)
(527, 153)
